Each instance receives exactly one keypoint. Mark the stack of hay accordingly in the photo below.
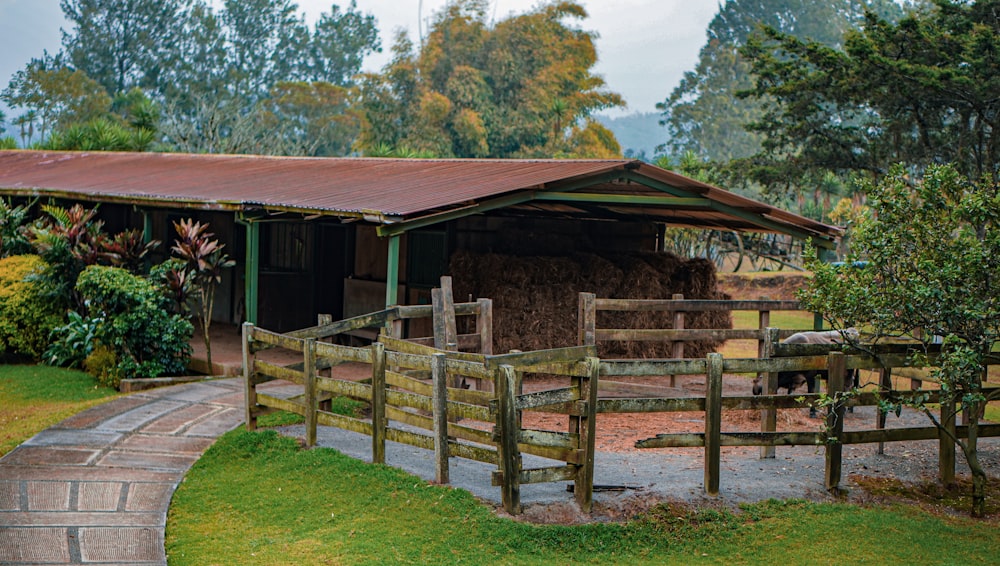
(535, 297)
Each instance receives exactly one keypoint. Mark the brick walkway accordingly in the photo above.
(95, 488)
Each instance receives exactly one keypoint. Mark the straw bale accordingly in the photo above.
(535, 297)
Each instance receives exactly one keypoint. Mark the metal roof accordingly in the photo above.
(398, 194)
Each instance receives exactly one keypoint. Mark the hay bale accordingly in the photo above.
(535, 297)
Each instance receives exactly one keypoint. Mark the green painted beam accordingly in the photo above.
(753, 218)
(519, 197)
(147, 227)
(642, 200)
(392, 272)
(251, 270)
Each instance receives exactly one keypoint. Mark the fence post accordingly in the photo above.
(769, 417)
(587, 319)
(249, 378)
(439, 376)
(884, 386)
(713, 423)
(484, 326)
(763, 322)
(378, 403)
(584, 484)
(946, 452)
(837, 364)
(309, 369)
(679, 344)
(510, 456)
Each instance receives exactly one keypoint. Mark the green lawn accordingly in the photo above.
(36, 397)
(257, 498)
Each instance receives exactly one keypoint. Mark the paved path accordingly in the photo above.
(95, 488)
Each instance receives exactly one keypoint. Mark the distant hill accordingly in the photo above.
(638, 133)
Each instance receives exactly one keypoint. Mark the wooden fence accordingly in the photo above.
(416, 398)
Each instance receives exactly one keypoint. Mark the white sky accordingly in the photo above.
(644, 48)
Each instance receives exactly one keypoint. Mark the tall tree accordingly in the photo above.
(921, 91)
(55, 96)
(704, 114)
(121, 43)
(520, 88)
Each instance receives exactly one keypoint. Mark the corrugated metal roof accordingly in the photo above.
(381, 190)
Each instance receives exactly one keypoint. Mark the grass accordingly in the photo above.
(36, 397)
(257, 498)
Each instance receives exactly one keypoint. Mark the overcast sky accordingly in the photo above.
(644, 48)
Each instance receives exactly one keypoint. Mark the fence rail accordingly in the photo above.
(417, 396)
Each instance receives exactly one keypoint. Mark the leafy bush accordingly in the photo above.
(137, 326)
(102, 363)
(26, 318)
(73, 341)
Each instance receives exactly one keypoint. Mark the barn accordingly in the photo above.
(345, 236)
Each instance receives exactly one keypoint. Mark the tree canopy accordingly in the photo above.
(920, 91)
(522, 87)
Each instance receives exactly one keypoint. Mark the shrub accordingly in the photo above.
(73, 341)
(26, 317)
(137, 325)
(102, 363)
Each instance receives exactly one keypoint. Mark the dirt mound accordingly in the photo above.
(778, 286)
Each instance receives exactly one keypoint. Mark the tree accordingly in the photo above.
(312, 118)
(54, 96)
(704, 114)
(121, 43)
(919, 91)
(932, 252)
(520, 88)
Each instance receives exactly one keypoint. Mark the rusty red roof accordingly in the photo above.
(384, 191)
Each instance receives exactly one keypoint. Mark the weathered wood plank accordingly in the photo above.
(279, 372)
(605, 406)
(407, 347)
(697, 439)
(370, 320)
(549, 438)
(344, 353)
(671, 335)
(454, 430)
(540, 475)
(377, 396)
(260, 338)
(347, 423)
(311, 402)
(411, 438)
(484, 326)
(465, 341)
(584, 481)
(638, 368)
(835, 422)
(693, 305)
(249, 379)
(587, 319)
(523, 361)
(477, 453)
(411, 400)
(769, 414)
(427, 311)
(343, 388)
(547, 397)
(282, 404)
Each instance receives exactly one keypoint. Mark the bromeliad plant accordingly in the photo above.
(204, 262)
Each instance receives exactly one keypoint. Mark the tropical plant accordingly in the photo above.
(204, 260)
(72, 342)
(13, 228)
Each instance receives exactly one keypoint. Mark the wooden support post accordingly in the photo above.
(484, 326)
(392, 272)
(678, 346)
(251, 271)
(946, 454)
(763, 322)
(584, 485)
(837, 365)
(713, 424)
(884, 386)
(769, 417)
(510, 456)
(439, 375)
(378, 403)
(249, 378)
(309, 369)
(587, 319)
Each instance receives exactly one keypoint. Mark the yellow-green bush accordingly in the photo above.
(26, 318)
(102, 363)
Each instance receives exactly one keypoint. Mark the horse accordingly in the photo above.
(791, 380)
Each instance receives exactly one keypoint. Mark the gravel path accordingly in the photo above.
(643, 477)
